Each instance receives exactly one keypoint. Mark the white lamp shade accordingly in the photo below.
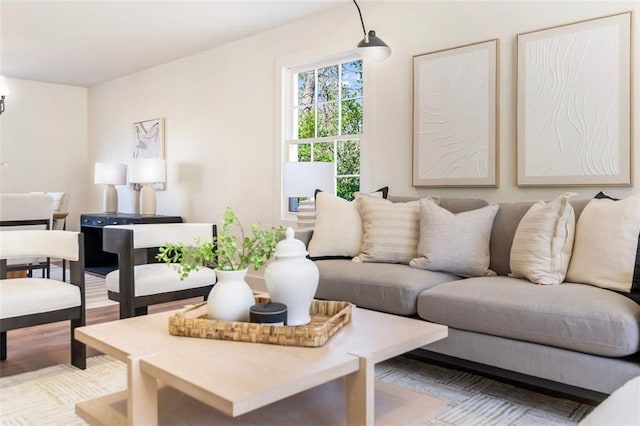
(110, 174)
(301, 179)
(148, 170)
(375, 53)
(4, 87)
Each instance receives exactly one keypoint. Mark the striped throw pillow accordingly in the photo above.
(542, 244)
(390, 230)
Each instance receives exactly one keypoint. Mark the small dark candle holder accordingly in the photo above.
(268, 313)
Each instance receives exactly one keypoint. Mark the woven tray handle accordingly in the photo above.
(343, 313)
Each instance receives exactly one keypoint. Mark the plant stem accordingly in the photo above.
(242, 237)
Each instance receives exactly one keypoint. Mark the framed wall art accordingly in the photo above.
(455, 116)
(148, 142)
(574, 104)
(148, 139)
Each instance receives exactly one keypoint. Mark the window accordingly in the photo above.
(325, 120)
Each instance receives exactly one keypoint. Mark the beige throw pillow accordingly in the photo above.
(543, 241)
(338, 228)
(390, 230)
(454, 243)
(605, 251)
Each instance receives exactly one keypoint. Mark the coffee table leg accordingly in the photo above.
(142, 395)
(361, 395)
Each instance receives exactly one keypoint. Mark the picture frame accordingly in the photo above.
(455, 116)
(148, 142)
(574, 104)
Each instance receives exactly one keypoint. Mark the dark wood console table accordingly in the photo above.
(98, 261)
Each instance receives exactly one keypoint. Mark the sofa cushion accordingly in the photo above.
(543, 241)
(572, 316)
(457, 243)
(454, 205)
(504, 229)
(391, 288)
(390, 230)
(458, 205)
(607, 245)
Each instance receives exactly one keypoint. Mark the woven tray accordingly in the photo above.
(327, 317)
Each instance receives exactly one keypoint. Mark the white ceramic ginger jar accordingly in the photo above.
(292, 279)
(231, 297)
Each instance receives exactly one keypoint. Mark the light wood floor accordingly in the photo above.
(33, 348)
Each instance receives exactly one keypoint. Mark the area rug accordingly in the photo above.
(476, 400)
(48, 396)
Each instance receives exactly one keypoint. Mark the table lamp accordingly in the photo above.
(301, 179)
(110, 174)
(148, 171)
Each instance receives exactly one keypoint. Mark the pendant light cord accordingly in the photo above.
(361, 20)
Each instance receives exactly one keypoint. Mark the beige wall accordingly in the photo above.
(43, 137)
(222, 106)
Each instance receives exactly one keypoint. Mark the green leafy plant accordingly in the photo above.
(231, 251)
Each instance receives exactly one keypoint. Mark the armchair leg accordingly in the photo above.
(78, 349)
(142, 310)
(3, 345)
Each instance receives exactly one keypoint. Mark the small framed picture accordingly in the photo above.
(148, 142)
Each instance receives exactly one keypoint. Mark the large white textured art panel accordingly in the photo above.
(574, 104)
(455, 115)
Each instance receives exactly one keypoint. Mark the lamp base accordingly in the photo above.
(306, 214)
(110, 199)
(148, 199)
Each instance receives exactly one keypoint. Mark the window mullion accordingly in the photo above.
(339, 99)
(325, 139)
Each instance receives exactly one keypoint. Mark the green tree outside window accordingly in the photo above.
(328, 106)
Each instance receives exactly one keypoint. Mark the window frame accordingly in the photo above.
(289, 137)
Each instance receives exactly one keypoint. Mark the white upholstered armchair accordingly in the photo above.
(26, 302)
(140, 280)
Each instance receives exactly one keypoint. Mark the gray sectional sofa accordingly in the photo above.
(574, 338)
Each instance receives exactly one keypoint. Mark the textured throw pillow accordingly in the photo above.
(606, 249)
(390, 230)
(338, 229)
(457, 243)
(542, 244)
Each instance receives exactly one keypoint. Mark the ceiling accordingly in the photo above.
(84, 43)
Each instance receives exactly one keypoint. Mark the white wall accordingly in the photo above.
(222, 106)
(440, 25)
(43, 137)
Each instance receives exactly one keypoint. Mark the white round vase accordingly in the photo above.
(231, 297)
(292, 279)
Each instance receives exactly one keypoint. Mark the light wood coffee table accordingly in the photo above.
(203, 381)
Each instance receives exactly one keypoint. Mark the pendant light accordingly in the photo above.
(371, 46)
